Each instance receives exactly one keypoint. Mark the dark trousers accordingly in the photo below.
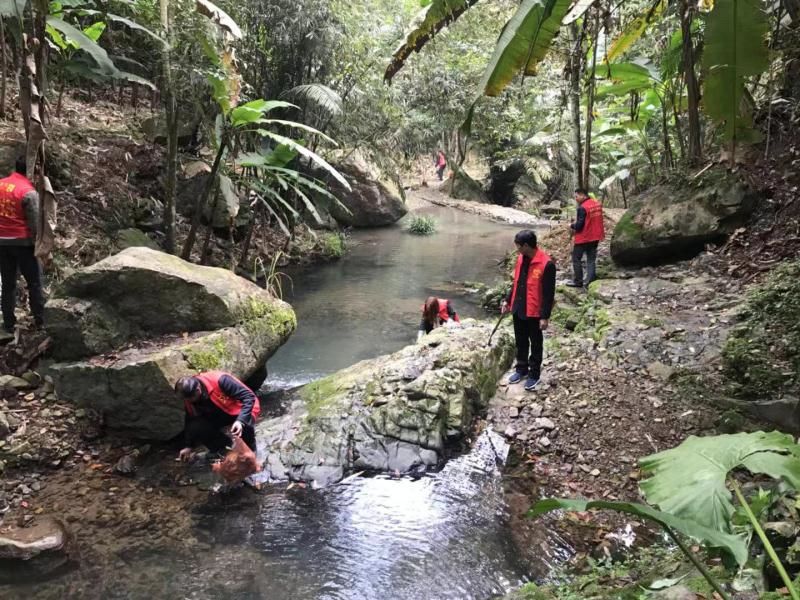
(440, 173)
(202, 431)
(530, 340)
(578, 251)
(14, 260)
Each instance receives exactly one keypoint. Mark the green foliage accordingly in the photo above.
(422, 225)
(735, 49)
(209, 358)
(689, 481)
(762, 354)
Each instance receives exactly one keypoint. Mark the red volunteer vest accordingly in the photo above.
(12, 216)
(443, 314)
(593, 228)
(533, 287)
(231, 406)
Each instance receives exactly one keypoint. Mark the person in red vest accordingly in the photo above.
(436, 312)
(530, 302)
(441, 163)
(589, 231)
(19, 219)
(213, 401)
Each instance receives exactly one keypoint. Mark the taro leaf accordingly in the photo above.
(732, 544)
(689, 481)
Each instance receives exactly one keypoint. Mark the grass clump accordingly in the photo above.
(333, 245)
(422, 225)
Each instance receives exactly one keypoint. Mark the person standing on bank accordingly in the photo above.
(19, 220)
(589, 231)
(441, 164)
(530, 303)
(213, 401)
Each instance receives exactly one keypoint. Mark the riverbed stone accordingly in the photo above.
(141, 293)
(674, 222)
(34, 552)
(369, 203)
(370, 417)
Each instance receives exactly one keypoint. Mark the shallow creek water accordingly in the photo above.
(442, 536)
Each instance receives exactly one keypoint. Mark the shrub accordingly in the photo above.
(422, 225)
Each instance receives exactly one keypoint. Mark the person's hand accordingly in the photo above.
(543, 324)
(185, 455)
(236, 429)
(503, 307)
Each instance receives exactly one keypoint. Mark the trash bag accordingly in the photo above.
(240, 462)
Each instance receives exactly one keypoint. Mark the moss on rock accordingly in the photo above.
(209, 357)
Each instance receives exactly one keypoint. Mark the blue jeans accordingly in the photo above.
(590, 250)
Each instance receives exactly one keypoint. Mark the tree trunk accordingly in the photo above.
(60, 99)
(210, 231)
(678, 128)
(575, 102)
(587, 148)
(3, 65)
(203, 199)
(692, 88)
(248, 240)
(171, 118)
(668, 159)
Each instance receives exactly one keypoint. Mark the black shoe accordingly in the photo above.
(574, 284)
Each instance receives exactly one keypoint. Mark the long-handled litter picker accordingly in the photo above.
(500, 320)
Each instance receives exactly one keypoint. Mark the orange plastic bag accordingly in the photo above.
(240, 462)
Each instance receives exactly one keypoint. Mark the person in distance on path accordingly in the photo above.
(589, 231)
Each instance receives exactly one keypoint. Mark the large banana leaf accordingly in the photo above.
(689, 481)
(735, 48)
(633, 31)
(627, 77)
(12, 8)
(733, 544)
(524, 42)
(578, 9)
(122, 20)
(105, 65)
(437, 15)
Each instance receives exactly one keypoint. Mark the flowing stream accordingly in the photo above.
(443, 536)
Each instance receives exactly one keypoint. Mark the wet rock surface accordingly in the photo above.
(394, 413)
(34, 552)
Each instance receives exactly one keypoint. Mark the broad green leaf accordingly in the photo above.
(313, 156)
(627, 71)
(296, 125)
(133, 78)
(122, 20)
(633, 31)
(434, 16)
(714, 538)
(58, 39)
(611, 131)
(308, 204)
(524, 42)
(689, 480)
(99, 55)
(735, 49)
(252, 111)
(275, 214)
(94, 31)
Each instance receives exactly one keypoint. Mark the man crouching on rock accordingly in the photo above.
(213, 401)
(530, 303)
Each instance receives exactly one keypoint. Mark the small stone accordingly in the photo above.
(18, 383)
(36, 486)
(595, 472)
(544, 423)
(513, 412)
(544, 441)
(535, 409)
(510, 432)
(23, 489)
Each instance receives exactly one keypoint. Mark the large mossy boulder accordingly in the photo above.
(393, 413)
(133, 323)
(142, 293)
(674, 222)
(369, 203)
(463, 187)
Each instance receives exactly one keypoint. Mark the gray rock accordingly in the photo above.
(674, 223)
(783, 412)
(5, 426)
(18, 383)
(142, 293)
(368, 204)
(544, 423)
(129, 238)
(353, 420)
(34, 553)
(676, 592)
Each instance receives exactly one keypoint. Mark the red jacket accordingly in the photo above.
(533, 287)
(593, 228)
(231, 406)
(12, 214)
